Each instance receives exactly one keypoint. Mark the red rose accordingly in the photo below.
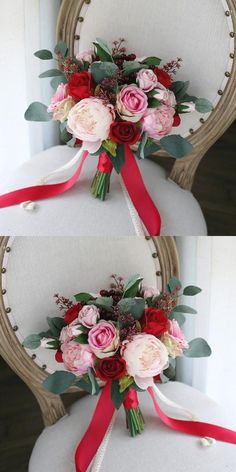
(80, 86)
(111, 368)
(163, 77)
(177, 120)
(154, 321)
(124, 132)
(72, 313)
(58, 356)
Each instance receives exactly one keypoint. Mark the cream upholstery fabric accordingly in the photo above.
(157, 449)
(37, 268)
(78, 213)
(196, 31)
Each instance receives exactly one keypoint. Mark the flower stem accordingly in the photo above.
(101, 185)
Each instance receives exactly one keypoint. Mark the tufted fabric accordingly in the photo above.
(196, 31)
(158, 448)
(37, 268)
(78, 213)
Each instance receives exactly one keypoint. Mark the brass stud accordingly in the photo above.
(202, 120)
(158, 273)
(227, 74)
(8, 249)
(227, 13)
(44, 366)
(33, 356)
(80, 19)
(15, 328)
(191, 130)
(232, 34)
(77, 37)
(3, 270)
(4, 291)
(155, 255)
(231, 55)
(8, 310)
(220, 92)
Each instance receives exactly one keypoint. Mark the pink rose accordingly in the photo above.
(89, 315)
(165, 96)
(149, 292)
(90, 121)
(145, 357)
(59, 96)
(104, 339)
(70, 332)
(158, 122)
(174, 339)
(131, 103)
(86, 56)
(147, 80)
(77, 357)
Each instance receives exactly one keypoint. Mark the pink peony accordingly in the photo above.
(158, 122)
(89, 315)
(70, 332)
(145, 357)
(131, 103)
(103, 339)
(174, 339)
(147, 80)
(90, 121)
(58, 97)
(86, 56)
(77, 357)
(165, 96)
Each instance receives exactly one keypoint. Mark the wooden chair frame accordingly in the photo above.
(23, 365)
(220, 119)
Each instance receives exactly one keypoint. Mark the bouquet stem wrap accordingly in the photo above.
(103, 415)
(134, 417)
(101, 182)
(131, 176)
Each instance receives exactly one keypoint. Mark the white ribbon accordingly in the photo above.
(31, 206)
(98, 460)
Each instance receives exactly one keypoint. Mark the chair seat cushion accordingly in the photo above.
(158, 448)
(77, 213)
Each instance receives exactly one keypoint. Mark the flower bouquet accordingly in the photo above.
(127, 338)
(114, 106)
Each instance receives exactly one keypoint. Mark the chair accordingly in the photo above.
(32, 269)
(204, 37)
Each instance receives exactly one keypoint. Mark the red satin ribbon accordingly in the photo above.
(139, 195)
(131, 400)
(96, 431)
(41, 192)
(104, 164)
(195, 428)
(103, 414)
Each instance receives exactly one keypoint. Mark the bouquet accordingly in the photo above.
(114, 106)
(128, 337)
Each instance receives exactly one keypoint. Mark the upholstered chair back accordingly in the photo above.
(201, 33)
(34, 269)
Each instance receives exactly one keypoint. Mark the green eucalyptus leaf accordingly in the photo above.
(191, 290)
(179, 317)
(44, 54)
(152, 61)
(61, 48)
(117, 396)
(180, 88)
(203, 105)
(119, 160)
(95, 387)
(103, 302)
(140, 152)
(33, 341)
(66, 136)
(134, 306)
(37, 112)
(104, 51)
(59, 382)
(150, 148)
(198, 348)
(173, 284)
(176, 146)
(132, 286)
(51, 73)
(56, 324)
(81, 339)
(56, 81)
(153, 102)
(129, 67)
(71, 143)
(184, 309)
(101, 70)
(83, 297)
